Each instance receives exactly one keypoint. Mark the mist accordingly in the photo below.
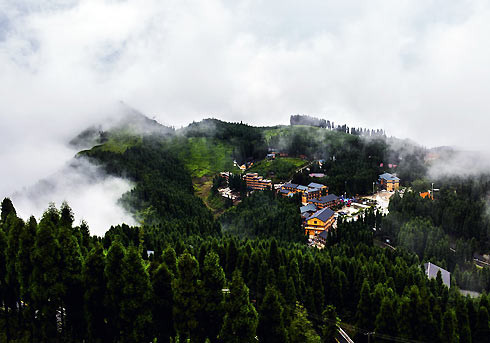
(417, 69)
(92, 195)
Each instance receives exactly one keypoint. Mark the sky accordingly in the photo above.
(418, 69)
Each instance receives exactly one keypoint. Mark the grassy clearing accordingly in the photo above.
(280, 169)
(206, 156)
(119, 142)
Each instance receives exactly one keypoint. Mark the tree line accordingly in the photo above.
(61, 284)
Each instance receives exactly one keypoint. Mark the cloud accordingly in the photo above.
(418, 69)
(91, 194)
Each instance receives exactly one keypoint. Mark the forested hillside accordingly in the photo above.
(278, 291)
(247, 275)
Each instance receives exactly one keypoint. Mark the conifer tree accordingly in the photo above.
(46, 286)
(241, 319)
(163, 303)
(187, 297)
(113, 272)
(364, 316)
(170, 259)
(385, 320)
(213, 281)
(449, 332)
(482, 327)
(271, 322)
(301, 329)
(7, 209)
(71, 269)
(136, 298)
(330, 325)
(95, 284)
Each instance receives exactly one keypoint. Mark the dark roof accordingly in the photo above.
(431, 272)
(313, 190)
(302, 188)
(307, 208)
(285, 191)
(315, 185)
(290, 185)
(323, 234)
(323, 215)
(326, 199)
(389, 177)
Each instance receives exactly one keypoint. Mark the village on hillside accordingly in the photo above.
(319, 209)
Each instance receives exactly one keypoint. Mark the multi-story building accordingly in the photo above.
(389, 182)
(325, 201)
(319, 221)
(256, 182)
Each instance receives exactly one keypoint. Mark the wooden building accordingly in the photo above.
(319, 221)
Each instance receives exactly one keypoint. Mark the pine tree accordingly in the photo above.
(386, 322)
(136, 298)
(330, 325)
(482, 328)
(449, 332)
(72, 296)
(163, 304)
(271, 322)
(301, 329)
(46, 286)
(170, 259)
(364, 316)
(95, 284)
(187, 297)
(7, 209)
(213, 281)
(241, 319)
(113, 272)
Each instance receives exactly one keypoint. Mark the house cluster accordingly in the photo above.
(389, 182)
(310, 192)
(318, 217)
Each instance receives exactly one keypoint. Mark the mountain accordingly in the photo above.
(197, 266)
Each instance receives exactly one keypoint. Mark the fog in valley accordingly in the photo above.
(417, 69)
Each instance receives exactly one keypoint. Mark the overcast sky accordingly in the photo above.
(418, 69)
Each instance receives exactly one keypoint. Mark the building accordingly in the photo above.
(325, 201)
(286, 192)
(427, 194)
(389, 182)
(290, 187)
(431, 271)
(314, 185)
(225, 175)
(317, 175)
(319, 221)
(256, 182)
(311, 194)
(307, 210)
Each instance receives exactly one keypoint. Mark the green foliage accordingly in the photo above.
(263, 215)
(271, 321)
(301, 329)
(241, 318)
(187, 297)
(279, 169)
(330, 325)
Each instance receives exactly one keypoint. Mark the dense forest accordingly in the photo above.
(61, 284)
(446, 230)
(185, 275)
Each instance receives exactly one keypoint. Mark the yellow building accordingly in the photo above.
(389, 182)
(319, 221)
